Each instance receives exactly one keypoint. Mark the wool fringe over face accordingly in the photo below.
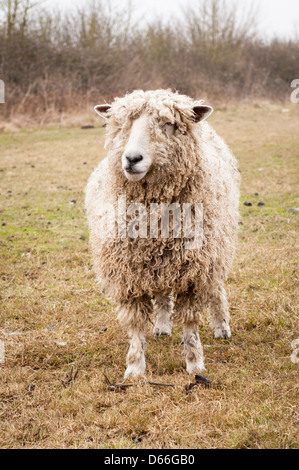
(146, 276)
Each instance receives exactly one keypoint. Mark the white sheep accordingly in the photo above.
(162, 151)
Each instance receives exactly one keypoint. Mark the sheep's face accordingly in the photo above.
(148, 131)
(137, 157)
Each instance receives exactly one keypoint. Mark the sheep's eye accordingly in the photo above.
(169, 128)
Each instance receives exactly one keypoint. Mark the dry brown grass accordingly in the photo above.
(52, 388)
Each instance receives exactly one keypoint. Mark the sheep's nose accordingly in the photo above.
(133, 160)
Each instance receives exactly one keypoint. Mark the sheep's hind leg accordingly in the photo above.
(163, 309)
(133, 315)
(219, 314)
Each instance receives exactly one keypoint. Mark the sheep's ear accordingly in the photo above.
(202, 112)
(101, 110)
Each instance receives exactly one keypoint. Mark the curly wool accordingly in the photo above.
(195, 165)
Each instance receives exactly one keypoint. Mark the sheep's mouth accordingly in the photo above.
(133, 172)
(134, 175)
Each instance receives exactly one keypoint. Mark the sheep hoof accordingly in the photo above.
(222, 331)
(135, 370)
(164, 331)
(195, 367)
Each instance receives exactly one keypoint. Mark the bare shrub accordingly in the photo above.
(54, 63)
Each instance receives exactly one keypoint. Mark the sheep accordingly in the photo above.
(161, 150)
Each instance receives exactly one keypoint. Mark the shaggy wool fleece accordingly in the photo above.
(192, 166)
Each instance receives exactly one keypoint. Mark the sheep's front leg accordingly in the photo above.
(163, 309)
(135, 356)
(187, 312)
(219, 314)
(193, 351)
(132, 314)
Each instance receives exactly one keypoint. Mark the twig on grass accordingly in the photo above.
(123, 386)
(160, 384)
(199, 380)
(70, 377)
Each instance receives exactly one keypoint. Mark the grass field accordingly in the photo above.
(61, 338)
